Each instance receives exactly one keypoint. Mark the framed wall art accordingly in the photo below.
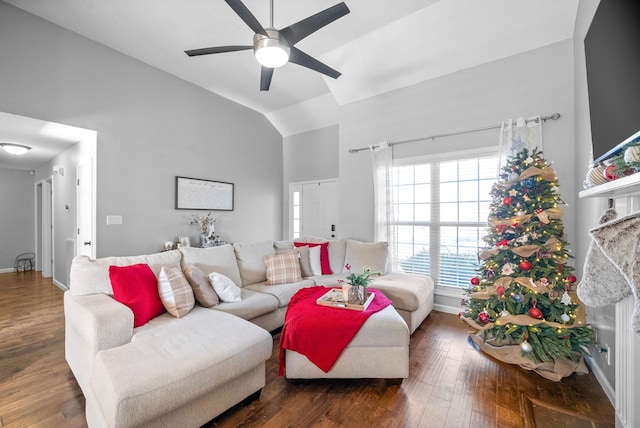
(200, 194)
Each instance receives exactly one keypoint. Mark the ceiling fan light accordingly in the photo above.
(271, 51)
(15, 149)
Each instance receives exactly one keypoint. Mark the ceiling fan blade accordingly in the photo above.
(245, 14)
(298, 31)
(298, 57)
(266, 74)
(217, 49)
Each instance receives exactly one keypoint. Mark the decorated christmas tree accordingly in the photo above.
(522, 304)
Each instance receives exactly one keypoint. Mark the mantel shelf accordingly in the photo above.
(625, 186)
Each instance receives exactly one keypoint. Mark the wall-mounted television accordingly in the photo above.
(612, 49)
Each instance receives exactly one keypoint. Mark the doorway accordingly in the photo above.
(86, 204)
(44, 227)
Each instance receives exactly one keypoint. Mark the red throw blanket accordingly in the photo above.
(321, 332)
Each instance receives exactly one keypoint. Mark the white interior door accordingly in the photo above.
(320, 209)
(85, 244)
(47, 228)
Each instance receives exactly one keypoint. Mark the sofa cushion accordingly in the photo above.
(407, 291)
(283, 246)
(175, 292)
(367, 254)
(324, 255)
(225, 288)
(202, 289)
(282, 292)
(136, 287)
(250, 258)
(283, 268)
(220, 259)
(90, 276)
(337, 252)
(252, 305)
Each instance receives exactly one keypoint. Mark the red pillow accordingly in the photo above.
(136, 286)
(324, 255)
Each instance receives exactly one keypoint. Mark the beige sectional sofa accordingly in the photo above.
(185, 371)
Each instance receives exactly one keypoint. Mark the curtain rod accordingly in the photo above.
(554, 116)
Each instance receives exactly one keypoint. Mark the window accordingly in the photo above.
(295, 214)
(441, 211)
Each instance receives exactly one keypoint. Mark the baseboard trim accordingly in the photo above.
(60, 285)
(446, 309)
(7, 270)
(602, 380)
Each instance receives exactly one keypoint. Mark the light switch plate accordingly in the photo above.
(114, 219)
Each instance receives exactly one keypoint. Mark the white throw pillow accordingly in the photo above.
(314, 259)
(226, 290)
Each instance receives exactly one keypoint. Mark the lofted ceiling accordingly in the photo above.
(380, 46)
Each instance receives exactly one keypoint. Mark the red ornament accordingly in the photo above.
(535, 312)
(525, 265)
(507, 201)
(500, 291)
(609, 173)
(475, 280)
(483, 317)
(571, 279)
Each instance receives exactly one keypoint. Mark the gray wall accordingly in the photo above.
(308, 156)
(151, 127)
(16, 215)
(535, 82)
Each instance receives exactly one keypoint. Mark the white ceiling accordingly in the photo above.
(380, 46)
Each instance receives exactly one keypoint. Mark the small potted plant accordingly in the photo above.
(357, 293)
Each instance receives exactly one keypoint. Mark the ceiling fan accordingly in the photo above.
(274, 48)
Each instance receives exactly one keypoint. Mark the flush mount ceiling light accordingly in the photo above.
(15, 149)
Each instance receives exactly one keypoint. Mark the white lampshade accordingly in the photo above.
(271, 51)
(15, 149)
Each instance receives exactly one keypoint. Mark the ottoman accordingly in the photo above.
(380, 349)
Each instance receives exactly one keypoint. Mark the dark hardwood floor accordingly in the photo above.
(450, 384)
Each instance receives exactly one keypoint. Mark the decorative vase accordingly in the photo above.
(357, 295)
(203, 239)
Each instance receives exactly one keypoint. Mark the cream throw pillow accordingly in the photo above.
(225, 288)
(175, 292)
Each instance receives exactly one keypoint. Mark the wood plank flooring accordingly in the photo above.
(450, 384)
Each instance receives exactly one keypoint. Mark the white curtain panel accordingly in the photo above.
(384, 197)
(517, 134)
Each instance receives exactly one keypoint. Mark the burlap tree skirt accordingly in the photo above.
(512, 354)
